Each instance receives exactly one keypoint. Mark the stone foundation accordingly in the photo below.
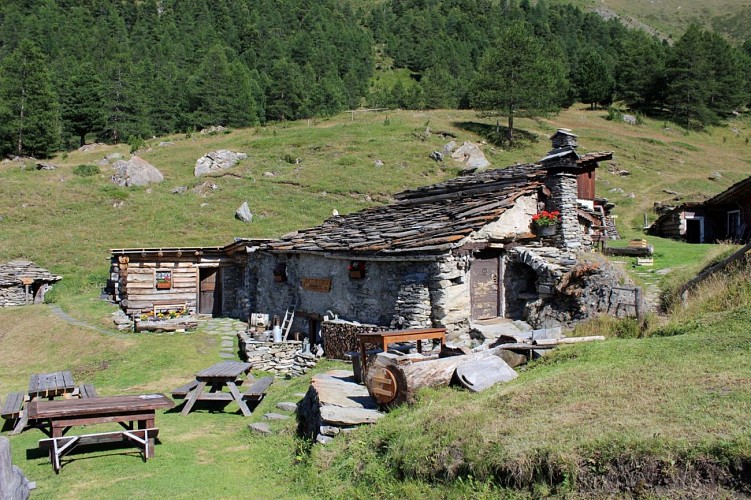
(283, 359)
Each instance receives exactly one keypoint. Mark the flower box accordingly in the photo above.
(356, 275)
(545, 230)
(356, 270)
(163, 285)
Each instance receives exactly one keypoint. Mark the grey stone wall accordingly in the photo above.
(14, 295)
(410, 294)
(237, 291)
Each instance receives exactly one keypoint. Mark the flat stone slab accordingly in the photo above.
(484, 373)
(285, 406)
(338, 388)
(226, 355)
(336, 415)
(275, 416)
(323, 439)
(227, 343)
(260, 428)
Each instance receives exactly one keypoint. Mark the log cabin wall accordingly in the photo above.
(138, 287)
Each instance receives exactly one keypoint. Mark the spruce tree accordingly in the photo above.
(517, 74)
(83, 102)
(592, 78)
(30, 119)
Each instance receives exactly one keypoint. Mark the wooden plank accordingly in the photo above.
(111, 404)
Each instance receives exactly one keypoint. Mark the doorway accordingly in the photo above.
(695, 230)
(210, 291)
(486, 284)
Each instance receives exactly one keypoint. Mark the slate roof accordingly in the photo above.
(13, 272)
(430, 219)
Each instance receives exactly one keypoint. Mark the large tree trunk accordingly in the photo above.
(392, 379)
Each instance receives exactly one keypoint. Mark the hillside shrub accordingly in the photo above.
(86, 170)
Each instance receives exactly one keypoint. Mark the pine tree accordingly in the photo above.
(30, 119)
(517, 74)
(83, 102)
(592, 78)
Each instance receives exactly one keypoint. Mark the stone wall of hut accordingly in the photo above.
(398, 295)
(14, 295)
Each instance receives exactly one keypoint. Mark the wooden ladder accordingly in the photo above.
(288, 317)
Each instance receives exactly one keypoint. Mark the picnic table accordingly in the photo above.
(383, 339)
(55, 418)
(215, 378)
(42, 385)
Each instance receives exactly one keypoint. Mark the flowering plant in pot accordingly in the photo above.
(545, 222)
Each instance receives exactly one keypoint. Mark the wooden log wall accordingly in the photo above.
(139, 285)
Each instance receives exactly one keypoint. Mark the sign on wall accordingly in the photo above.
(317, 284)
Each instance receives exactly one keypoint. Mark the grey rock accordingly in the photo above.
(471, 155)
(670, 191)
(323, 439)
(269, 174)
(113, 157)
(716, 176)
(484, 373)
(336, 415)
(436, 156)
(631, 196)
(260, 428)
(448, 148)
(166, 143)
(378, 163)
(213, 130)
(286, 406)
(243, 213)
(616, 190)
(205, 188)
(624, 173)
(275, 416)
(216, 161)
(630, 119)
(329, 430)
(180, 190)
(103, 162)
(45, 166)
(13, 484)
(135, 172)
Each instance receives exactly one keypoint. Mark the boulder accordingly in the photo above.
(471, 155)
(436, 156)
(13, 484)
(630, 119)
(205, 188)
(243, 213)
(45, 166)
(449, 148)
(483, 373)
(135, 172)
(216, 161)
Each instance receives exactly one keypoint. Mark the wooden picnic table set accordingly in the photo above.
(54, 404)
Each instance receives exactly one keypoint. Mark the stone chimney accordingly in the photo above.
(563, 138)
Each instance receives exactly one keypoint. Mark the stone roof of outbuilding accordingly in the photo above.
(427, 220)
(13, 273)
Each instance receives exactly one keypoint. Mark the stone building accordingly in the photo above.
(445, 255)
(22, 283)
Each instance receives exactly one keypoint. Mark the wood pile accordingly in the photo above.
(283, 359)
(340, 337)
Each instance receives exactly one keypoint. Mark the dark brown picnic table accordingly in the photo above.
(51, 385)
(55, 418)
(216, 377)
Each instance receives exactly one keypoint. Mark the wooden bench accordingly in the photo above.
(60, 446)
(12, 407)
(257, 389)
(182, 391)
(87, 391)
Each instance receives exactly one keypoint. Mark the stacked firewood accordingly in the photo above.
(340, 337)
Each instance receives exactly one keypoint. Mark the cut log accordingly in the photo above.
(484, 373)
(393, 380)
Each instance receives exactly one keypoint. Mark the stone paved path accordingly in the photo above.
(76, 322)
(226, 329)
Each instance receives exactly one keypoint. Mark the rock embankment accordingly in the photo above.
(284, 359)
(334, 403)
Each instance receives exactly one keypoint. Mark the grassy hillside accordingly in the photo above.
(670, 18)
(660, 416)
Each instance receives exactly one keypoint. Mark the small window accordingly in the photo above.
(163, 280)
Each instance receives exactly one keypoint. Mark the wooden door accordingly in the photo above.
(210, 292)
(486, 285)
